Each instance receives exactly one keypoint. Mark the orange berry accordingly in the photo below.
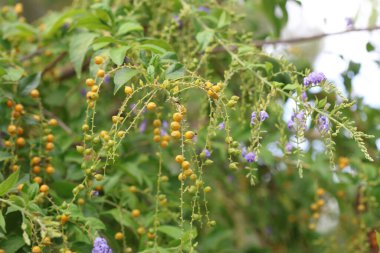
(15, 168)
(212, 94)
(36, 169)
(157, 131)
(135, 213)
(175, 125)
(9, 103)
(215, 88)
(314, 207)
(181, 177)
(320, 202)
(151, 106)
(50, 138)
(179, 158)
(176, 134)
(36, 249)
(164, 144)
(90, 82)
(185, 165)
(151, 235)
(119, 236)
(81, 201)
(53, 122)
(98, 60)
(177, 117)
(157, 138)
(49, 146)
(189, 135)
(188, 172)
(19, 108)
(44, 188)
(64, 219)
(20, 142)
(343, 162)
(156, 123)
(12, 129)
(100, 73)
(38, 180)
(36, 160)
(320, 191)
(20, 131)
(49, 169)
(95, 88)
(166, 137)
(34, 93)
(128, 90)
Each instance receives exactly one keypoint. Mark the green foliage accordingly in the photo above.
(145, 124)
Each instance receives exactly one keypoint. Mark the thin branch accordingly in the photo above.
(54, 62)
(313, 37)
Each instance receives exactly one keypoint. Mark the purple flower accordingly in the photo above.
(165, 124)
(107, 79)
(250, 157)
(288, 146)
(163, 132)
(253, 118)
(243, 151)
(178, 21)
(222, 125)
(83, 92)
(204, 9)
(263, 115)
(101, 246)
(207, 153)
(304, 96)
(142, 126)
(314, 78)
(95, 193)
(323, 123)
(296, 118)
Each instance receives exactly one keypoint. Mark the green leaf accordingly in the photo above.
(13, 74)
(4, 156)
(156, 46)
(290, 86)
(95, 223)
(370, 47)
(56, 22)
(8, 183)
(27, 84)
(12, 244)
(175, 71)
(322, 103)
(79, 44)
(171, 231)
(223, 20)
(129, 27)
(2, 222)
(118, 54)
(204, 38)
(122, 76)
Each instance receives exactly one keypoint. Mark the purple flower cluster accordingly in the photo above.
(296, 117)
(314, 78)
(250, 157)
(142, 126)
(288, 146)
(204, 9)
(263, 116)
(222, 125)
(101, 246)
(207, 153)
(323, 123)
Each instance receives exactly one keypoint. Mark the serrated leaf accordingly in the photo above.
(79, 45)
(8, 183)
(175, 71)
(118, 54)
(204, 38)
(129, 27)
(27, 84)
(122, 76)
(171, 231)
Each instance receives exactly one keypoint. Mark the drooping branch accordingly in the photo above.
(313, 37)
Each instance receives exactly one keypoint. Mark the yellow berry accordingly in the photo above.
(189, 135)
(101, 73)
(151, 106)
(12, 129)
(135, 213)
(36, 249)
(119, 236)
(175, 125)
(44, 188)
(38, 180)
(20, 142)
(34, 93)
(164, 144)
(320, 202)
(181, 177)
(36, 160)
(19, 108)
(177, 117)
(49, 169)
(157, 138)
(128, 90)
(19, 9)
(53, 122)
(320, 191)
(157, 123)
(179, 158)
(207, 189)
(90, 82)
(176, 134)
(64, 219)
(98, 60)
(185, 165)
